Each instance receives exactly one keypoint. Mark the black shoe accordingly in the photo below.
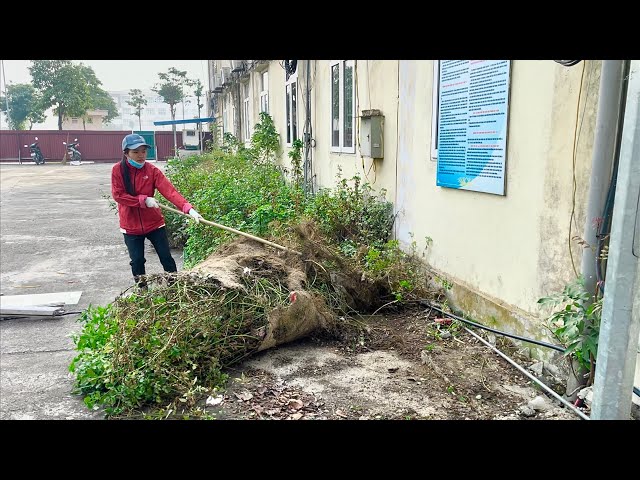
(141, 283)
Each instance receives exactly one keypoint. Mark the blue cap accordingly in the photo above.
(133, 141)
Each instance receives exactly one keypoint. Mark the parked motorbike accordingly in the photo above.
(35, 152)
(73, 153)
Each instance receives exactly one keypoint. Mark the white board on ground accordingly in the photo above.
(68, 298)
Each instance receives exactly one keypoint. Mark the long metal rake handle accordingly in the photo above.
(233, 230)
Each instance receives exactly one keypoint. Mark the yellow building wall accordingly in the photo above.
(510, 249)
(94, 121)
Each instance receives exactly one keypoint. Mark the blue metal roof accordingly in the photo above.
(188, 120)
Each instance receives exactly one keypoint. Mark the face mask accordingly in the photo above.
(135, 164)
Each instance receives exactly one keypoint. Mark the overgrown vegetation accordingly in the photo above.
(577, 322)
(170, 345)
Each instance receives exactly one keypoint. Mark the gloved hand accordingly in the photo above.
(151, 202)
(196, 216)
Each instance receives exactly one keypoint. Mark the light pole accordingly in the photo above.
(6, 96)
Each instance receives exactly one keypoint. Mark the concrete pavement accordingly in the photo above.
(58, 234)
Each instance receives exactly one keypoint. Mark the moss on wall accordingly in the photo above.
(483, 309)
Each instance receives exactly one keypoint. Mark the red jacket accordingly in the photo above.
(135, 217)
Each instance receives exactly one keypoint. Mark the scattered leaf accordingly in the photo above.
(244, 395)
(296, 404)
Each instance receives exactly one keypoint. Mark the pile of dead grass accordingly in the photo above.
(353, 288)
(171, 343)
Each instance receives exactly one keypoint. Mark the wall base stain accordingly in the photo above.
(478, 307)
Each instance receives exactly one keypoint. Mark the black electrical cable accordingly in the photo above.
(518, 337)
(568, 63)
(605, 227)
(424, 302)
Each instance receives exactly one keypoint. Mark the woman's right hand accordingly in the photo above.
(151, 202)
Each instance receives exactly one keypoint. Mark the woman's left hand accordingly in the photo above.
(195, 215)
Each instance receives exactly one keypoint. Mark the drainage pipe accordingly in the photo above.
(559, 348)
(620, 322)
(604, 146)
(522, 370)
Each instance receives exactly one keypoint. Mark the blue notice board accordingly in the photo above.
(472, 124)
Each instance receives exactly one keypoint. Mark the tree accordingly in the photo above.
(99, 99)
(171, 89)
(95, 99)
(197, 91)
(137, 102)
(60, 84)
(103, 101)
(70, 89)
(23, 106)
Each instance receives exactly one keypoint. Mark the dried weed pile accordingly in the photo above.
(167, 347)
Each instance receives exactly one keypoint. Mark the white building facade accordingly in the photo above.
(155, 110)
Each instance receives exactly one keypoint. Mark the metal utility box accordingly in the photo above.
(372, 134)
(190, 139)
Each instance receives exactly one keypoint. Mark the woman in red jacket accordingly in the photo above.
(133, 184)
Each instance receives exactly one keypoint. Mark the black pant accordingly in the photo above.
(159, 240)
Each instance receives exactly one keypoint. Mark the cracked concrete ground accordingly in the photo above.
(58, 234)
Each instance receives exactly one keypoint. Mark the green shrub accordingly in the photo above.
(577, 322)
(353, 212)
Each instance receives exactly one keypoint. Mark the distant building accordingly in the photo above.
(155, 110)
(94, 120)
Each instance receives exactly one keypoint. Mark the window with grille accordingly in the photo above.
(291, 93)
(264, 92)
(342, 106)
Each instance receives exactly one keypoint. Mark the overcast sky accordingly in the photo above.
(115, 75)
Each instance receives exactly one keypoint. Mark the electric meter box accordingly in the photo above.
(371, 134)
